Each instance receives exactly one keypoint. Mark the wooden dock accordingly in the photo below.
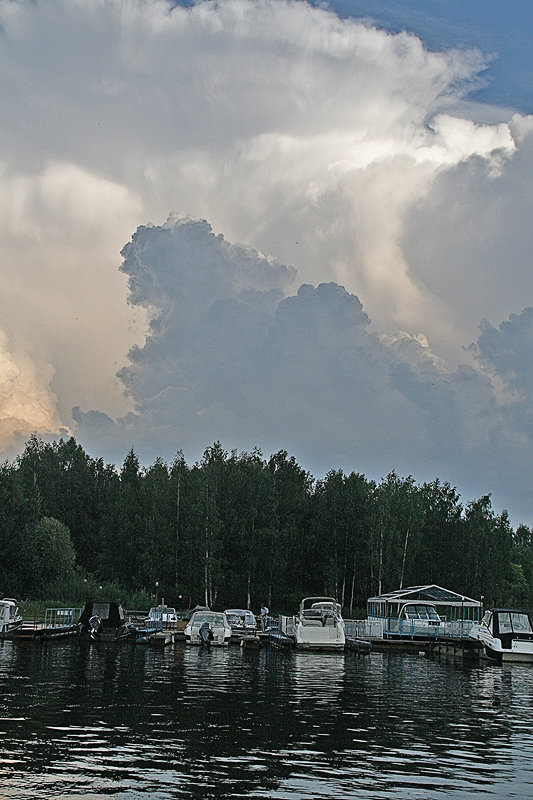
(450, 648)
(39, 631)
(453, 649)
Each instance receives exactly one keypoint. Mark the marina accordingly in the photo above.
(404, 621)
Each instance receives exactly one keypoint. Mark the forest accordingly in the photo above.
(239, 529)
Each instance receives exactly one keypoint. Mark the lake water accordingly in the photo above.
(82, 721)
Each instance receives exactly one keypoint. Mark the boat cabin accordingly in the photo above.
(420, 612)
(241, 620)
(162, 616)
(507, 625)
(110, 613)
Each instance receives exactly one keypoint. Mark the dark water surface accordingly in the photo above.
(134, 723)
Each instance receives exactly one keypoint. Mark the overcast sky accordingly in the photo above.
(272, 224)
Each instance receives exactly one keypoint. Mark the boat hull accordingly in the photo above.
(332, 646)
(520, 651)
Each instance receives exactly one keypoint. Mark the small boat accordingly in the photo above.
(360, 646)
(207, 628)
(418, 618)
(10, 618)
(242, 621)
(104, 621)
(161, 617)
(506, 635)
(319, 625)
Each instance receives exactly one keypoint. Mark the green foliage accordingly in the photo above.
(236, 529)
(49, 556)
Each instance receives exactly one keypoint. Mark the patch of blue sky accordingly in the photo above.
(502, 31)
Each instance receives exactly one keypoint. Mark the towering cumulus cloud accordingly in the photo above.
(383, 214)
(231, 355)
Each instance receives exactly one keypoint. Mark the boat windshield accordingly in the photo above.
(421, 612)
(205, 616)
(520, 623)
(333, 607)
(238, 617)
(156, 613)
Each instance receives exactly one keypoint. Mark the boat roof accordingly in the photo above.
(206, 614)
(430, 592)
(508, 611)
(319, 600)
(105, 609)
(238, 611)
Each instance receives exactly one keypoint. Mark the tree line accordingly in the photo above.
(241, 529)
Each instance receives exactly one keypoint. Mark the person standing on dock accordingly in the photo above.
(264, 617)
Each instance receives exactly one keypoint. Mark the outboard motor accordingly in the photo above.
(95, 623)
(206, 634)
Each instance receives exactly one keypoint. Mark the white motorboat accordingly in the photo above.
(418, 619)
(241, 620)
(319, 625)
(10, 618)
(506, 635)
(207, 628)
(161, 617)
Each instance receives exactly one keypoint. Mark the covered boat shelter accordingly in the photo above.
(450, 605)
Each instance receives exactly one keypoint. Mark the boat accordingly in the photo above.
(161, 617)
(10, 618)
(104, 621)
(319, 625)
(419, 618)
(207, 628)
(242, 621)
(506, 635)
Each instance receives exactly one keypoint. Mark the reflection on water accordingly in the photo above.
(83, 721)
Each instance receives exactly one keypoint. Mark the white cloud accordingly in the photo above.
(27, 404)
(62, 298)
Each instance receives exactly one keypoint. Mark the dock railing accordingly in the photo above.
(61, 617)
(364, 628)
(407, 629)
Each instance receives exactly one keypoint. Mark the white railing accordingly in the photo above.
(407, 629)
(364, 628)
(60, 617)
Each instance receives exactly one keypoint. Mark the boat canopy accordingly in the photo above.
(109, 612)
(388, 605)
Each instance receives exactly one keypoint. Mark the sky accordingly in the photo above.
(272, 224)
